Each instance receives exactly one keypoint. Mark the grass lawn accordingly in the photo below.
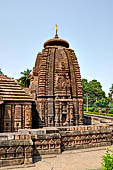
(96, 113)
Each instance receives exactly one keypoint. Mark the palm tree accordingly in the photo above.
(25, 79)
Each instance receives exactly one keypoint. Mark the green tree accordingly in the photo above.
(102, 102)
(93, 89)
(25, 79)
(110, 94)
(84, 89)
(1, 71)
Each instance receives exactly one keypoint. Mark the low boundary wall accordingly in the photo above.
(27, 146)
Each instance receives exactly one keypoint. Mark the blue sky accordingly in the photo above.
(86, 24)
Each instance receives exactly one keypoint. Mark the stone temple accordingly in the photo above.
(55, 89)
(56, 85)
(15, 106)
(47, 121)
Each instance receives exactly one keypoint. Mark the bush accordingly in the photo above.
(84, 108)
(107, 160)
(90, 109)
(96, 109)
(111, 111)
(102, 103)
(103, 110)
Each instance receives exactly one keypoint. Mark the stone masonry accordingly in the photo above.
(27, 146)
(15, 106)
(56, 86)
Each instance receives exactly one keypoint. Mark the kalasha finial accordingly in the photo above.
(56, 36)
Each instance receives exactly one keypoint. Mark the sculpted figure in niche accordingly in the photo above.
(61, 83)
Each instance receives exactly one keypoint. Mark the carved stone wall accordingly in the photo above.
(85, 137)
(28, 145)
(16, 151)
(56, 85)
(15, 116)
(15, 106)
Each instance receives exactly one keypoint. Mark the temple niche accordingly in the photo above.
(56, 85)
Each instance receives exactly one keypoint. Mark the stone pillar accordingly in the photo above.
(12, 117)
(17, 117)
(76, 111)
(60, 113)
(67, 120)
(50, 112)
(23, 116)
(28, 118)
(43, 112)
(71, 113)
(46, 112)
(28, 155)
(57, 114)
(80, 103)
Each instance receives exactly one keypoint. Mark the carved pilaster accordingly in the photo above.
(60, 113)
(71, 113)
(67, 119)
(12, 117)
(50, 112)
(23, 116)
(76, 111)
(80, 103)
(57, 114)
(28, 118)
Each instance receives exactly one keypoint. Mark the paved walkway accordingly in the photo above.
(84, 159)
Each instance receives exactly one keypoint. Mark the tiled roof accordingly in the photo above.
(11, 91)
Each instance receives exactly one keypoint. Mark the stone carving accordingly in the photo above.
(12, 110)
(11, 152)
(28, 151)
(19, 152)
(57, 74)
(2, 153)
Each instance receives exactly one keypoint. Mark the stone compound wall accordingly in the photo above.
(27, 146)
(85, 137)
(92, 119)
(15, 149)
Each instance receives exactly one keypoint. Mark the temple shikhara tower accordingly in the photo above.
(56, 85)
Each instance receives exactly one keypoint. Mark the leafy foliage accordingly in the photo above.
(107, 159)
(110, 94)
(90, 109)
(102, 103)
(111, 111)
(96, 109)
(93, 89)
(25, 79)
(103, 110)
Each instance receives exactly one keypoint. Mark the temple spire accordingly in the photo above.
(56, 36)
